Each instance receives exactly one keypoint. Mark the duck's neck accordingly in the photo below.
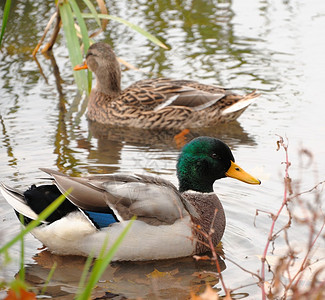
(194, 176)
(187, 184)
(191, 179)
(109, 81)
(111, 88)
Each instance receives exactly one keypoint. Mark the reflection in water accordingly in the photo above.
(111, 141)
(201, 36)
(6, 142)
(203, 28)
(164, 279)
(232, 133)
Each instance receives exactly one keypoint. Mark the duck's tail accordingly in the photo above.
(33, 201)
(238, 107)
(17, 200)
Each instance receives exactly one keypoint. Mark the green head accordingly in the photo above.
(203, 161)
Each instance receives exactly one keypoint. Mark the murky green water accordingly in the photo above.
(276, 47)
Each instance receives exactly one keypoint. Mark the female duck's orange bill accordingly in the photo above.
(81, 66)
(238, 173)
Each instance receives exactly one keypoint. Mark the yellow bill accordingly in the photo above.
(238, 173)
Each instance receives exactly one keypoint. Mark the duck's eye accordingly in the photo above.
(215, 156)
(91, 54)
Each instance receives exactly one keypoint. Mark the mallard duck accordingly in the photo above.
(167, 218)
(160, 103)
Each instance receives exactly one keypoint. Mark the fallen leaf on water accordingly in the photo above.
(158, 274)
(204, 257)
(46, 259)
(21, 295)
(209, 294)
(202, 278)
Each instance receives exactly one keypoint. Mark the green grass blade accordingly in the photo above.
(102, 262)
(5, 19)
(22, 253)
(93, 11)
(71, 37)
(42, 216)
(48, 278)
(84, 273)
(132, 26)
(82, 24)
(84, 34)
(89, 79)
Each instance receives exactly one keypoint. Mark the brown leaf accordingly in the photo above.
(21, 295)
(46, 259)
(104, 11)
(209, 294)
(204, 257)
(158, 274)
(203, 278)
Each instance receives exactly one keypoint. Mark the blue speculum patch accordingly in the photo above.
(101, 219)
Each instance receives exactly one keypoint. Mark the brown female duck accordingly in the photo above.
(159, 103)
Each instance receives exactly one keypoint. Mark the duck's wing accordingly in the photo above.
(156, 94)
(153, 200)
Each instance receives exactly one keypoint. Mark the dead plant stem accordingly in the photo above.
(304, 262)
(276, 216)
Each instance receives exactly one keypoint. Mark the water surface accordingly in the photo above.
(276, 47)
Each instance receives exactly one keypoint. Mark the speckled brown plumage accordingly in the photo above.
(160, 103)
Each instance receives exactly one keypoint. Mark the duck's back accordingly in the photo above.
(164, 103)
